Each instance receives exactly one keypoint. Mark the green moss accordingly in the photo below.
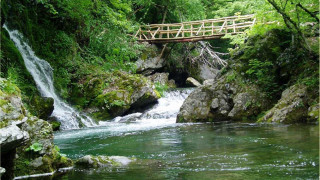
(22, 166)
(13, 68)
(3, 102)
(55, 125)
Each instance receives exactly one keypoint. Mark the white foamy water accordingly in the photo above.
(161, 115)
(42, 74)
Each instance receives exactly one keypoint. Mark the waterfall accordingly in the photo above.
(163, 114)
(42, 74)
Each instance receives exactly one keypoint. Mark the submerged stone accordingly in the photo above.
(90, 161)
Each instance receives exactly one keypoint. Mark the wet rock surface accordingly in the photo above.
(220, 100)
(292, 107)
(90, 161)
(44, 106)
(26, 141)
(149, 61)
(12, 137)
(112, 95)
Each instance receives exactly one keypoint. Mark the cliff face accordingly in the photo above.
(26, 141)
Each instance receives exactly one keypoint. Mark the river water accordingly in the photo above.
(166, 150)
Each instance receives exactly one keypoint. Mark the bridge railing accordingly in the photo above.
(195, 30)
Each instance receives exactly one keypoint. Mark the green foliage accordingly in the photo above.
(56, 148)
(161, 88)
(35, 147)
(8, 87)
(231, 78)
(118, 103)
(155, 11)
(262, 72)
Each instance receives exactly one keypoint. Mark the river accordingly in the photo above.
(166, 150)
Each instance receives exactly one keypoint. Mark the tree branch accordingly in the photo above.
(307, 11)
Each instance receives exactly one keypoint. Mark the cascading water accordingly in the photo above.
(42, 74)
(162, 114)
(158, 116)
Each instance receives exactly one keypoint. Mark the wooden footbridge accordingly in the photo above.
(194, 30)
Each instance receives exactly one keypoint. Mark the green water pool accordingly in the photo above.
(197, 151)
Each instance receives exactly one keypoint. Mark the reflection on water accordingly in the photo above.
(199, 151)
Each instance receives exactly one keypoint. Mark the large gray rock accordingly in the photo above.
(192, 82)
(89, 161)
(18, 132)
(41, 132)
(162, 78)
(207, 72)
(222, 100)
(148, 66)
(291, 108)
(12, 137)
(122, 93)
(143, 96)
(313, 112)
(11, 109)
(149, 61)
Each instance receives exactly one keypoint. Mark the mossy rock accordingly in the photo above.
(54, 123)
(43, 106)
(112, 94)
(291, 108)
(89, 161)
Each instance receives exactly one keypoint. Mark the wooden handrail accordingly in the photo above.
(195, 30)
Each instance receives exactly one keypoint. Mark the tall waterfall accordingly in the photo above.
(42, 74)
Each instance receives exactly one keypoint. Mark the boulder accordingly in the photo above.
(128, 118)
(43, 106)
(207, 72)
(208, 82)
(223, 100)
(149, 61)
(192, 82)
(12, 137)
(313, 112)
(112, 95)
(11, 108)
(291, 108)
(163, 79)
(41, 132)
(19, 131)
(90, 161)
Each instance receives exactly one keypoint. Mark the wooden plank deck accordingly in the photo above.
(194, 30)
